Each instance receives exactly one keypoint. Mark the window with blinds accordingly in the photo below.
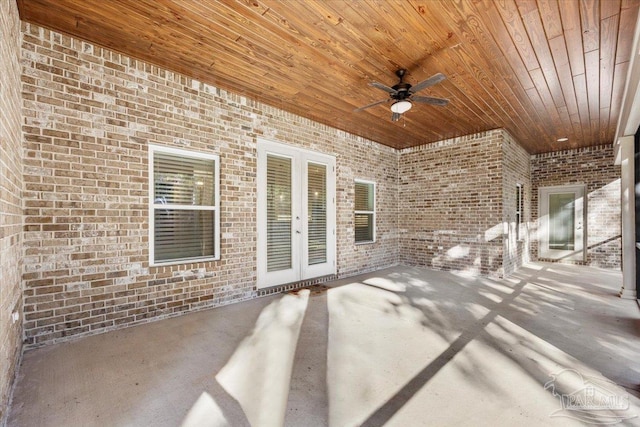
(279, 188)
(184, 215)
(365, 212)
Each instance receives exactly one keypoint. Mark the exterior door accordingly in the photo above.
(562, 222)
(296, 214)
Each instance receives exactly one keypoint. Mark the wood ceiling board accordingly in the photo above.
(505, 60)
(619, 81)
(540, 44)
(609, 8)
(624, 44)
(590, 19)
(580, 86)
(573, 38)
(550, 15)
(501, 35)
(563, 69)
(608, 41)
(513, 22)
(592, 65)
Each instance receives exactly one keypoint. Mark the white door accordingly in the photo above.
(296, 214)
(562, 222)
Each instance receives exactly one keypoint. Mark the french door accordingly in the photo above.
(562, 217)
(296, 214)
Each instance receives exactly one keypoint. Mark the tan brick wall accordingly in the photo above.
(595, 168)
(451, 204)
(516, 169)
(10, 199)
(89, 116)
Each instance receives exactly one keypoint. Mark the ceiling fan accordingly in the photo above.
(402, 94)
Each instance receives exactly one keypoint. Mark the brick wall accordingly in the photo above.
(593, 167)
(451, 204)
(89, 115)
(355, 162)
(515, 170)
(10, 199)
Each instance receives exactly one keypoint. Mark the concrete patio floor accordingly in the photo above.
(402, 346)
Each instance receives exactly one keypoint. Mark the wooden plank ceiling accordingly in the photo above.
(542, 69)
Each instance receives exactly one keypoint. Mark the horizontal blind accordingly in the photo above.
(317, 213)
(183, 180)
(364, 227)
(182, 234)
(279, 254)
(364, 196)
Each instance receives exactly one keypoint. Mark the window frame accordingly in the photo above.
(519, 209)
(152, 149)
(365, 212)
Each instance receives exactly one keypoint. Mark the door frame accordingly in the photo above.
(579, 253)
(300, 159)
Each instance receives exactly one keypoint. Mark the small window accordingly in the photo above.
(365, 212)
(519, 206)
(184, 212)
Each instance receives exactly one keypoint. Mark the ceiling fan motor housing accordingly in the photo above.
(402, 91)
(402, 88)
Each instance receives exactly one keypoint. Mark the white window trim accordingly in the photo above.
(519, 209)
(355, 212)
(152, 205)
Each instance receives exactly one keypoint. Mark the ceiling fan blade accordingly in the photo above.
(395, 117)
(435, 79)
(371, 105)
(383, 87)
(430, 100)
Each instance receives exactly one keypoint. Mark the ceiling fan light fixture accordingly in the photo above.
(401, 106)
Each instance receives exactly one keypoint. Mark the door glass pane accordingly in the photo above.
(317, 213)
(278, 213)
(561, 221)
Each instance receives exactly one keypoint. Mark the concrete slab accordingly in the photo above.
(398, 347)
